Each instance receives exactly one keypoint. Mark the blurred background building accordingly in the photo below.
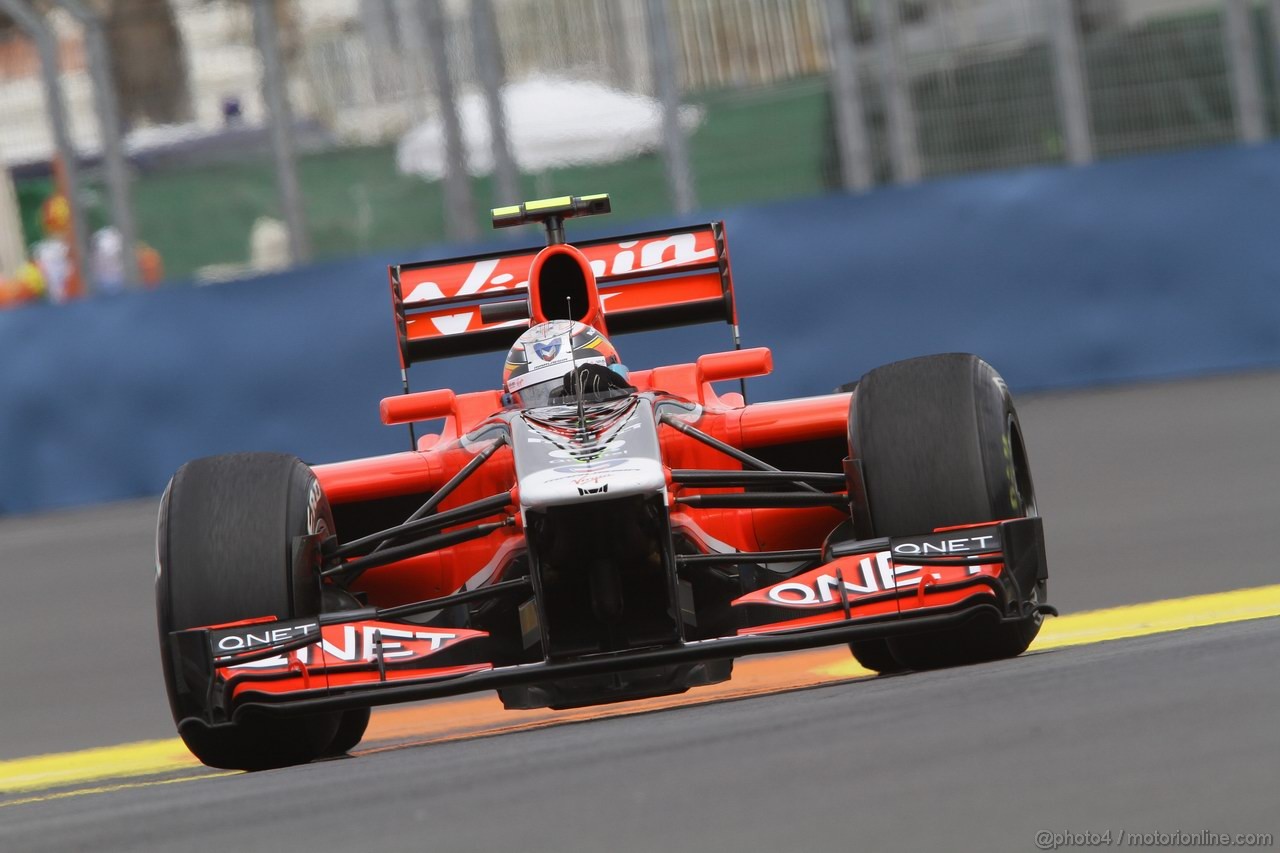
(225, 137)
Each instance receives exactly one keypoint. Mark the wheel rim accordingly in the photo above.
(1021, 479)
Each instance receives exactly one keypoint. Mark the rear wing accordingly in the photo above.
(646, 281)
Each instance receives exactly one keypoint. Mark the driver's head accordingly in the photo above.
(541, 357)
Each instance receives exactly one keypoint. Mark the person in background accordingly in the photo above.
(107, 263)
(27, 286)
(52, 257)
(53, 254)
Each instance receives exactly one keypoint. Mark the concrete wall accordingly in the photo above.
(1146, 268)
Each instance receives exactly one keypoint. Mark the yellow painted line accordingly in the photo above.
(151, 758)
(1137, 620)
(1158, 617)
(42, 772)
(106, 789)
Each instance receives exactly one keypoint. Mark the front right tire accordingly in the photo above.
(224, 549)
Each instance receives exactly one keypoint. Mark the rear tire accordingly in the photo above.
(940, 444)
(224, 546)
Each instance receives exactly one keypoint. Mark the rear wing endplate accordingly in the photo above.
(646, 281)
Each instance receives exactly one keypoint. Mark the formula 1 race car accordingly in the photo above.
(589, 534)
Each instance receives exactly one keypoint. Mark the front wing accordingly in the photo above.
(864, 590)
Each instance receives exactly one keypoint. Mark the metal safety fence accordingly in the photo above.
(150, 140)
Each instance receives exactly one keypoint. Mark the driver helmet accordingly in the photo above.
(545, 353)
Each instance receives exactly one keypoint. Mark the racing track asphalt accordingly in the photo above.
(1170, 733)
(1149, 492)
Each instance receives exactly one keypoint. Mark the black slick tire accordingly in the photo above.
(351, 730)
(870, 654)
(875, 656)
(940, 444)
(224, 548)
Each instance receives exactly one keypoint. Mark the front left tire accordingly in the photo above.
(940, 444)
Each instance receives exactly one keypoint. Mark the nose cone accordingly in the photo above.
(620, 456)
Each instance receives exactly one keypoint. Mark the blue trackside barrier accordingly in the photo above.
(1137, 269)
